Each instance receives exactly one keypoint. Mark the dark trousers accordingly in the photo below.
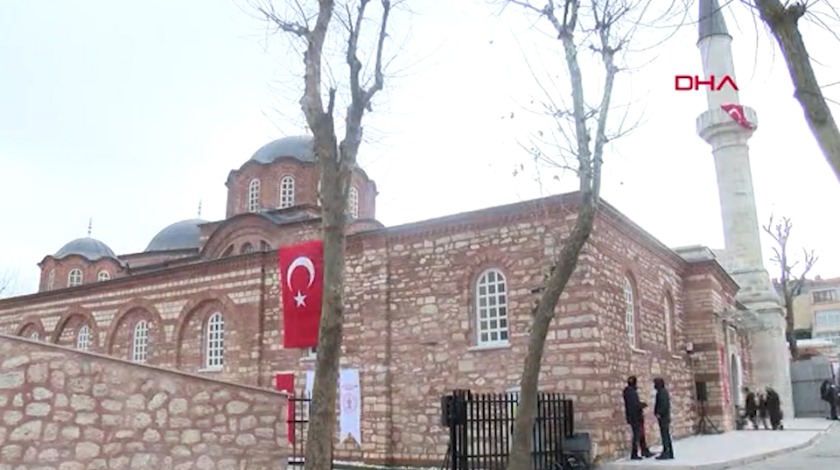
(833, 405)
(665, 432)
(636, 428)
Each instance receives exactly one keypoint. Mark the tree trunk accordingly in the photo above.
(789, 321)
(783, 22)
(556, 283)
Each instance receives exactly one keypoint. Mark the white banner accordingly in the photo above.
(350, 398)
(310, 379)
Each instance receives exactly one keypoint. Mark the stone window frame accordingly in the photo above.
(253, 201)
(214, 342)
(479, 309)
(30, 326)
(247, 248)
(83, 338)
(353, 202)
(75, 277)
(51, 279)
(140, 342)
(287, 192)
(630, 302)
(103, 276)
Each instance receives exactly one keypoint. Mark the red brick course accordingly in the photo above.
(410, 319)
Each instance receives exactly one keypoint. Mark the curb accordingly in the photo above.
(730, 463)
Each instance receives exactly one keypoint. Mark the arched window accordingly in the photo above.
(140, 346)
(491, 308)
(246, 248)
(254, 195)
(630, 312)
(353, 203)
(51, 280)
(103, 276)
(287, 192)
(83, 338)
(264, 246)
(74, 278)
(669, 322)
(228, 252)
(318, 193)
(215, 347)
(35, 336)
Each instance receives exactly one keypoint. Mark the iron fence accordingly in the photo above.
(481, 430)
(298, 425)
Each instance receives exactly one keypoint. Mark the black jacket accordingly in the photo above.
(662, 408)
(632, 406)
(751, 404)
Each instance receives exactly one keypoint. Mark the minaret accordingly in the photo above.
(743, 258)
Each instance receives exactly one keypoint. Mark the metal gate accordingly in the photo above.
(480, 430)
(806, 378)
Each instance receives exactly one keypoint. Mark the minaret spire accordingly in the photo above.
(711, 21)
(715, 45)
(90, 226)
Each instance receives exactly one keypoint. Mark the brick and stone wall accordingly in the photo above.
(410, 319)
(66, 410)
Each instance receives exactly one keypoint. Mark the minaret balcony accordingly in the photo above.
(717, 122)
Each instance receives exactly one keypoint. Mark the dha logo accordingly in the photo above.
(693, 82)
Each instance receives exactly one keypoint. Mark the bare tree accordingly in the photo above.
(336, 160)
(603, 28)
(790, 283)
(782, 18)
(7, 283)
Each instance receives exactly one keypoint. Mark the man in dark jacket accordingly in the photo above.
(662, 410)
(774, 409)
(828, 392)
(751, 407)
(634, 415)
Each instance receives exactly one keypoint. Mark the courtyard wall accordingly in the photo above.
(65, 409)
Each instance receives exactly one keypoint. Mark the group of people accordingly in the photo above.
(831, 395)
(763, 406)
(634, 413)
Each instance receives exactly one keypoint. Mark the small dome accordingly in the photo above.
(181, 235)
(87, 247)
(299, 147)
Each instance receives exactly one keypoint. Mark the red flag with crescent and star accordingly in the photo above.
(302, 287)
(736, 112)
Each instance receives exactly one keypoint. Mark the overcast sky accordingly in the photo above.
(130, 113)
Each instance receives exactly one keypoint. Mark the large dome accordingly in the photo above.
(181, 235)
(299, 147)
(87, 247)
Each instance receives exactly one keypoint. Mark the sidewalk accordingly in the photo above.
(732, 449)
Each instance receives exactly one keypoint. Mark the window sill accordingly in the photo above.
(677, 356)
(489, 347)
(639, 351)
(211, 369)
(308, 359)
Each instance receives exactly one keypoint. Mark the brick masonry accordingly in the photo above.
(410, 320)
(68, 410)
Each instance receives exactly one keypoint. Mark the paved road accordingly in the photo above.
(824, 455)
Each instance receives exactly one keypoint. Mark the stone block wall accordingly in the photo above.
(68, 410)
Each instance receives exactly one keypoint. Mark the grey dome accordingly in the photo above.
(181, 235)
(87, 247)
(299, 147)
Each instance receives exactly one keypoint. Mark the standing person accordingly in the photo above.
(751, 407)
(762, 410)
(828, 392)
(774, 409)
(634, 415)
(662, 410)
(646, 453)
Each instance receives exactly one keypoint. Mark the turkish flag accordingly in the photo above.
(285, 382)
(736, 112)
(302, 287)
